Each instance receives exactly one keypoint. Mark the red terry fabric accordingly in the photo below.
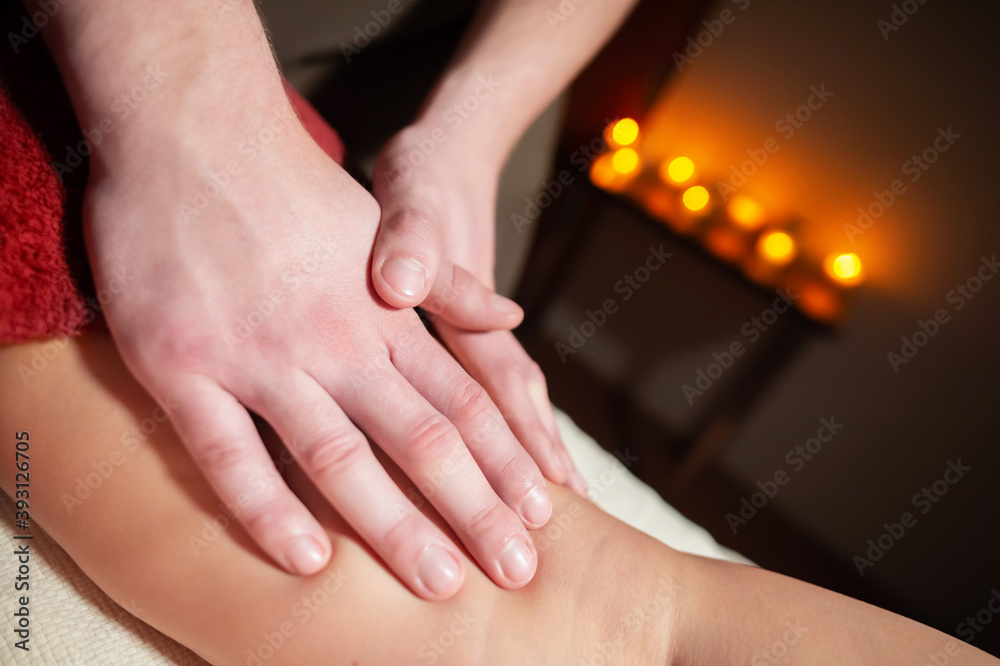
(46, 289)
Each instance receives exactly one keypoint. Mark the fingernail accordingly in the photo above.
(305, 555)
(438, 570)
(536, 506)
(517, 561)
(504, 306)
(404, 275)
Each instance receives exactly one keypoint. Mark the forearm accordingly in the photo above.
(517, 57)
(150, 67)
(739, 614)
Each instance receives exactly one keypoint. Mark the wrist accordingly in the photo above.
(469, 115)
(425, 154)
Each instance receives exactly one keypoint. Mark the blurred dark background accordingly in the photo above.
(893, 89)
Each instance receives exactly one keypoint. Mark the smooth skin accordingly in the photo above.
(251, 292)
(154, 536)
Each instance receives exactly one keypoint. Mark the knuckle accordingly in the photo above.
(415, 227)
(532, 373)
(219, 455)
(458, 281)
(525, 374)
(334, 453)
(489, 520)
(403, 534)
(173, 348)
(432, 438)
(470, 402)
(261, 517)
(515, 467)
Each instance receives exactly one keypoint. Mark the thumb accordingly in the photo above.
(405, 258)
(464, 302)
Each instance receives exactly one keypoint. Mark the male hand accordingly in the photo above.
(435, 249)
(248, 250)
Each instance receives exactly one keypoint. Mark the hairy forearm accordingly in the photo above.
(517, 57)
(152, 65)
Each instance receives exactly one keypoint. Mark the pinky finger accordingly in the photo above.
(224, 443)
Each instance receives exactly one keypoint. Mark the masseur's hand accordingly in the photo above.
(436, 182)
(435, 249)
(246, 256)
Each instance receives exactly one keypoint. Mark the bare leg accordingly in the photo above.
(148, 535)
(154, 536)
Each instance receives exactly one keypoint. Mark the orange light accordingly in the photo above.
(820, 303)
(659, 202)
(844, 268)
(622, 133)
(678, 170)
(725, 243)
(776, 247)
(625, 161)
(746, 212)
(696, 198)
(602, 173)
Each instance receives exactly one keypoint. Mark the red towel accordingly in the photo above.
(46, 289)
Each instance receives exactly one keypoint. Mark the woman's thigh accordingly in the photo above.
(111, 482)
(115, 487)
